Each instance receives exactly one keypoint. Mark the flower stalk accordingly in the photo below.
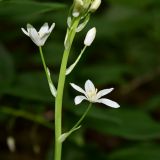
(78, 18)
(60, 89)
(63, 137)
(50, 83)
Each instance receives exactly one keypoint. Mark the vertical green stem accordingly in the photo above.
(60, 89)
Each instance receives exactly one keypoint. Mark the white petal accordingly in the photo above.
(77, 88)
(43, 29)
(29, 26)
(104, 92)
(44, 38)
(24, 31)
(33, 34)
(89, 87)
(52, 27)
(45, 35)
(79, 99)
(108, 102)
(90, 36)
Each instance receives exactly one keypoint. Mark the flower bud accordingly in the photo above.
(87, 3)
(11, 143)
(78, 6)
(90, 36)
(95, 5)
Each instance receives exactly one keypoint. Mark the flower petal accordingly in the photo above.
(45, 35)
(43, 29)
(89, 86)
(33, 34)
(79, 99)
(77, 88)
(44, 38)
(51, 28)
(24, 31)
(108, 102)
(104, 92)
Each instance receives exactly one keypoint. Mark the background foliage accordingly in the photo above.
(125, 55)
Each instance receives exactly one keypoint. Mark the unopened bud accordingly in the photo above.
(90, 36)
(95, 5)
(78, 6)
(11, 143)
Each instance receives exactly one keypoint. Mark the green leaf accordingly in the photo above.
(31, 86)
(129, 124)
(6, 69)
(106, 73)
(18, 8)
(137, 152)
(133, 3)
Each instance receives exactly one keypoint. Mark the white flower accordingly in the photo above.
(90, 36)
(39, 38)
(95, 5)
(92, 95)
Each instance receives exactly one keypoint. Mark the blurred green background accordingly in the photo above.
(125, 55)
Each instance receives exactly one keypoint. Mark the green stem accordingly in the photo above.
(69, 69)
(81, 119)
(43, 61)
(50, 83)
(59, 97)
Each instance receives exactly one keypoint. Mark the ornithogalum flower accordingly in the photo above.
(92, 95)
(40, 37)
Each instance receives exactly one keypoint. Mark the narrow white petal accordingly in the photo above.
(29, 26)
(43, 29)
(89, 87)
(79, 99)
(104, 92)
(44, 38)
(52, 27)
(24, 31)
(79, 89)
(33, 34)
(108, 102)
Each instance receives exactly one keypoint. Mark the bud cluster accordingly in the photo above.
(85, 6)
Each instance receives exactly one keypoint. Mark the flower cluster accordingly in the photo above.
(78, 18)
(84, 6)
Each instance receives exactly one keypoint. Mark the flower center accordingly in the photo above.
(92, 95)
